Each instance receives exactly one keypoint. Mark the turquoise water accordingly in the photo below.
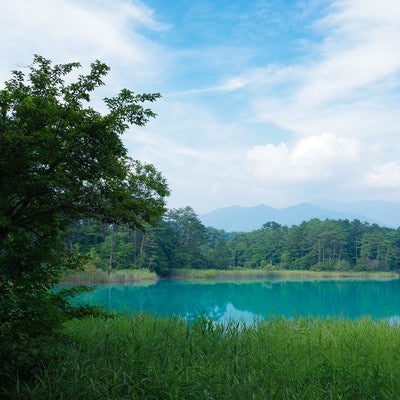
(247, 301)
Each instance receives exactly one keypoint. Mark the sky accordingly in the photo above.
(271, 102)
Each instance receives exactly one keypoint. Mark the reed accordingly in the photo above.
(143, 357)
(144, 275)
(246, 273)
(101, 276)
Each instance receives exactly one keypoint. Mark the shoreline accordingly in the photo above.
(281, 275)
(145, 276)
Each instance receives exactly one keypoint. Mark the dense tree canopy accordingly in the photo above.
(61, 161)
(181, 241)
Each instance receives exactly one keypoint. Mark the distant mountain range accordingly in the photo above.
(245, 219)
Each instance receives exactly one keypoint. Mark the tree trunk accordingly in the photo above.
(112, 245)
(134, 246)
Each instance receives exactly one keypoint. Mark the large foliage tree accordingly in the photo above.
(61, 160)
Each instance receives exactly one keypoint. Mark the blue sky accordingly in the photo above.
(265, 101)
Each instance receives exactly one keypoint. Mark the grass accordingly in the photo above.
(144, 275)
(243, 273)
(143, 357)
(101, 276)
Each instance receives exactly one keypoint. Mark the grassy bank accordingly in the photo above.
(147, 358)
(101, 276)
(241, 273)
(142, 275)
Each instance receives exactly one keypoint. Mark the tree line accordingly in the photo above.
(180, 240)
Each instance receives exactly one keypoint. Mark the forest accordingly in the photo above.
(180, 240)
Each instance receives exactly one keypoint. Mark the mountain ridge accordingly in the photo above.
(243, 219)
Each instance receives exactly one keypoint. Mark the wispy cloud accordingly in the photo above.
(80, 31)
(350, 85)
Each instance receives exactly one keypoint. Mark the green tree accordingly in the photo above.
(219, 254)
(61, 161)
(190, 237)
(161, 252)
(178, 241)
(375, 248)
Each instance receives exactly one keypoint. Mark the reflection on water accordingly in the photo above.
(252, 300)
(394, 320)
(233, 314)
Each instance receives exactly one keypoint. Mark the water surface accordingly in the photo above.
(251, 300)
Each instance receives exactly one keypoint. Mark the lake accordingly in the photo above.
(246, 301)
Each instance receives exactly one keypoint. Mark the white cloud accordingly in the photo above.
(73, 30)
(310, 160)
(353, 15)
(385, 176)
(260, 79)
(196, 177)
(360, 49)
(349, 84)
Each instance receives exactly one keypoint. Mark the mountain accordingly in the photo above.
(237, 219)
(245, 219)
(386, 213)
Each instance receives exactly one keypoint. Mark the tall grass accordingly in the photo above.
(165, 358)
(143, 275)
(243, 273)
(101, 276)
